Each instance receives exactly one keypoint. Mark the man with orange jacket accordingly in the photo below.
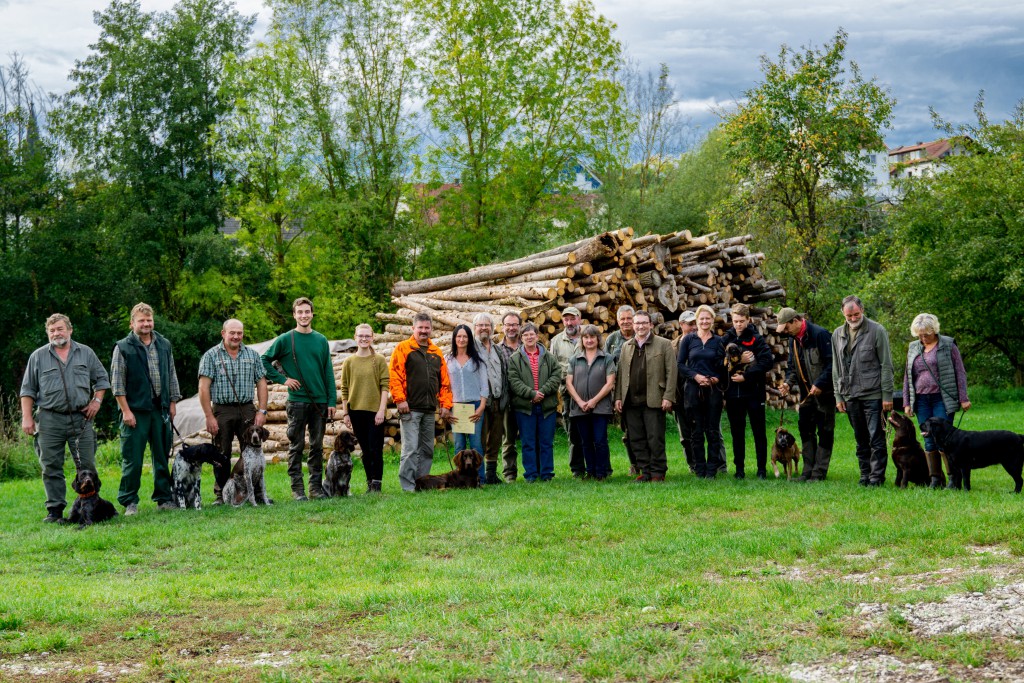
(419, 384)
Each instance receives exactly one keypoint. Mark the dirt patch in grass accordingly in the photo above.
(997, 612)
(876, 666)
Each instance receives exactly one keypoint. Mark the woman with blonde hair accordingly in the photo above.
(700, 360)
(364, 402)
(934, 384)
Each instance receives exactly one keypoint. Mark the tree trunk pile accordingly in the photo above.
(662, 274)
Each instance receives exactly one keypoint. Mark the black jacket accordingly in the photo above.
(753, 384)
(813, 366)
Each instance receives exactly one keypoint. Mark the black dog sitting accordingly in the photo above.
(466, 474)
(338, 472)
(89, 508)
(907, 454)
(186, 473)
(968, 451)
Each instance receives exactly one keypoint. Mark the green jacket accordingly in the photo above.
(520, 381)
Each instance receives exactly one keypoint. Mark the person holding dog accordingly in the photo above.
(862, 378)
(419, 385)
(745, 391)
(145, 386)
(305, 359)
(364, 403)
(934, 385)
(700, 361)
(590, 383)
(810, 372)
(230, 374)
(63, 386)
(645, 388)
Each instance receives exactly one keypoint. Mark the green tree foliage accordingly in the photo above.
(957, 244)
(518, 91)
(138, 118)
(796, 142)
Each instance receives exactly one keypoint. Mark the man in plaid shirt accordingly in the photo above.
(229, 374)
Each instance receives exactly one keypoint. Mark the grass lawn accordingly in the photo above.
(688, 580)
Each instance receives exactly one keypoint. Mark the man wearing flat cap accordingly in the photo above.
(564, 346)
(810, 372)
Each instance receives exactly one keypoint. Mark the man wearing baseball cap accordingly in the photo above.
(810, 372)
(563, 347)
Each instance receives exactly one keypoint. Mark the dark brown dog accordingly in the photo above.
(734, 359)
(466, 474)
(89, 508)
(338, 472)
(785, 450)
(973, 450)
(907, 454)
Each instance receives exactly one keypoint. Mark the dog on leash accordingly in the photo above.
(89, 508)
(907, 454)
(785, 451)
(247, 484)
(968, 451)
(186, 473)
(466, 474)
(338, 472)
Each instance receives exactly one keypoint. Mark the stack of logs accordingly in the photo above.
(661, 274)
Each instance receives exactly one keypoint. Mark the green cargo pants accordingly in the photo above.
(150, 427)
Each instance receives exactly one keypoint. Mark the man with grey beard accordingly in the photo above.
(510, 324)
(497, 395)
(564, 346)
(862, 377)
(64, 382)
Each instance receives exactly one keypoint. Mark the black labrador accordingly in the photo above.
(968, 451)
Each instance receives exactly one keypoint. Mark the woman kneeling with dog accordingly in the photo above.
(934, 384)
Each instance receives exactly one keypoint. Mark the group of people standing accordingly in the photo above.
(513, 390)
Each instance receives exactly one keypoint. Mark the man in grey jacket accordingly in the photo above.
(862, 377)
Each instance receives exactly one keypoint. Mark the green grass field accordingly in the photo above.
(571, 580)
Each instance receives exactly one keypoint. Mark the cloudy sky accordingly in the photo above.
(928, 54)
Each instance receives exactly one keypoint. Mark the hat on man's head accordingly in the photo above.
(571, 310)
(786, 314)
(687, 317)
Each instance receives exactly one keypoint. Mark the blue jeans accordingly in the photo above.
(537, 434)
(593, 432)
(474, 440)
(930, 405)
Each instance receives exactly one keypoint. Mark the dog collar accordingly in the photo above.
(86, 495)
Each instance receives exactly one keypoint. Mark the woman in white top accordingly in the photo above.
(467, 371)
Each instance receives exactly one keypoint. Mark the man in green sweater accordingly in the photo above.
(305, 359)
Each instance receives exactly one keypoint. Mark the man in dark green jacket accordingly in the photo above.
(145, 387)
(305, 359)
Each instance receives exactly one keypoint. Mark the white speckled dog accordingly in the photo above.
(246, 484)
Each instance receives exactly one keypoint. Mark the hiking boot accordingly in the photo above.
(166, 506)
(55, 518)
(762, 474)
(373, 486)
(740, 474)
(131, 509)
(492, 474)
(642, 479)
(658, 478)
(299, 495)
(316, 494)
(510, 478)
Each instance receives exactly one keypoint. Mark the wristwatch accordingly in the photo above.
(97, 399)
(263, 411)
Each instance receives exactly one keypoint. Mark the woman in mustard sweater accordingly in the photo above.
(364, 401)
